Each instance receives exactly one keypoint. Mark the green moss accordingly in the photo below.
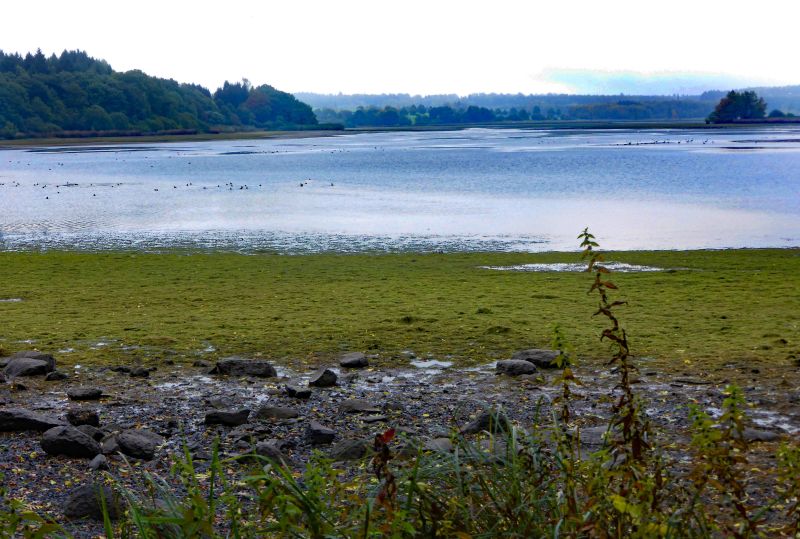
(717, 307)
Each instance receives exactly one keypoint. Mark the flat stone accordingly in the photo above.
(348, 450)
(354, 360)
(298, 392)
(230, 418)
(539, 357)
(84, 393)
(88, 500)
(323, 378)
(69, 441)
(19, 419)
(758, 435)
(139, 443)
(83, 416)
(375, 418)
(516, 367)
(317, 434)
(358, 406)
(244, 367)
(276, 412)
(56, 376)
(140, 372)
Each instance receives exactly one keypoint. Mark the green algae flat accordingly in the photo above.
(709, 309)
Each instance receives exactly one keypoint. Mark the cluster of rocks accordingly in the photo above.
(98, 427)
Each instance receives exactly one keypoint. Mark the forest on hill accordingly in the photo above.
(74, 94)
(374, 110)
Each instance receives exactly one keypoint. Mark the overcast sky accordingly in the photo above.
(425, 47)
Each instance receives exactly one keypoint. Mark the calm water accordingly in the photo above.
(477, 189)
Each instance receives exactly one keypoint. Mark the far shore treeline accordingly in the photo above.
(74, 94)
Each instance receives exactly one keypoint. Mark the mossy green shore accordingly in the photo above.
(710, 308)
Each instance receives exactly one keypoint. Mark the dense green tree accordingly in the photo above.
(76, 93)
(735, 105)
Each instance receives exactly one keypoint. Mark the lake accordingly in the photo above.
(476, 189)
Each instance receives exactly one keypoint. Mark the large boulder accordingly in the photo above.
(29, 363)
(515, 367)
(539, 357)
(88, 501)
(139, 443)
(323, 378)
(244, 367)
(354, 360)
(69, 441)
(19, 419)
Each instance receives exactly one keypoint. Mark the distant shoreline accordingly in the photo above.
(560, 125)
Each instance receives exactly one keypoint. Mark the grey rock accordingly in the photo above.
(19, 419)
(593, 436)
(94, 432)
(357, 406)
(100, 462)
(298, 392)
(486, 421)
(69, 441)
(441, 445)
(276, 413)
(374, 418)
(323, 378)
(140, 372)
(354, 360)
(348, 450)
(271, 449)
(109, 445)
(758, 435)
(319, 434)
(26, 366)
(84, 393)
(35, 354)
(139, 443)
(88, 501)
(56, 376)
(203, 364)
(515, 367)
(539, 357)
(83, 416)
(244, 367)
(230, 418)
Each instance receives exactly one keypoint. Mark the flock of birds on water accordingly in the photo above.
(230, 186)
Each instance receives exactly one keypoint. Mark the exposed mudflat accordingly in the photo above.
(428, 401)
